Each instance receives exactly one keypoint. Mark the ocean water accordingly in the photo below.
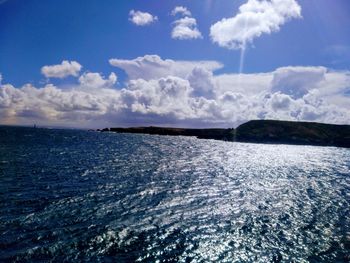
(71, 196)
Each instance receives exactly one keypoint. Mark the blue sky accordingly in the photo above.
(36, 33)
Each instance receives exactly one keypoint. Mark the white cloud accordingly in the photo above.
(52, 105)
(280, 101)
(62, 70)
(153, 67)
(249, 84)
(160, 97)
(182, 10)
(202, 82)
(95, 80)
(141, 18)
(186, 28)
(253, 19)
(297, 81)
(182, 93)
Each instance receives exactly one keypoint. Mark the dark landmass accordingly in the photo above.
(216, 134)
(288, 132)
(261, 131)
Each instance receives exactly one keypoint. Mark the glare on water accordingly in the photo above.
(75, 195)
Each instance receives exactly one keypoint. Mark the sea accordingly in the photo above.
(83, 196)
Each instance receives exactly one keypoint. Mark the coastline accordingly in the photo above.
(260, 131)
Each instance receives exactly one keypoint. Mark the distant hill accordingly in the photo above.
(288, 132)
(261, 131)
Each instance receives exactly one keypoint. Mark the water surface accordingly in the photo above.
(70, 195)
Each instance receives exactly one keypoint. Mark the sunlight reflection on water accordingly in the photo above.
(73, 195)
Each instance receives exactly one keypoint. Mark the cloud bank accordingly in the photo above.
(141, 18)
(181, 93)
(254, 18)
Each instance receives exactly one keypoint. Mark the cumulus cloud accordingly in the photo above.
(181, 10)
(141, 18)
(249, 84)
(280, 101)
(52, 105)
(95, 80)
(202, 82)
(181, 93)
(297, 81)
(254, 18)
(153, 67)
(65, 69)
(186, 26)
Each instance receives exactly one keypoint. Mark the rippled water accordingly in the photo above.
(86, 196)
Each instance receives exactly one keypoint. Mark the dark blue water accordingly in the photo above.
(85, 196)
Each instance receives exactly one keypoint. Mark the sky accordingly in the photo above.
(194, 63)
